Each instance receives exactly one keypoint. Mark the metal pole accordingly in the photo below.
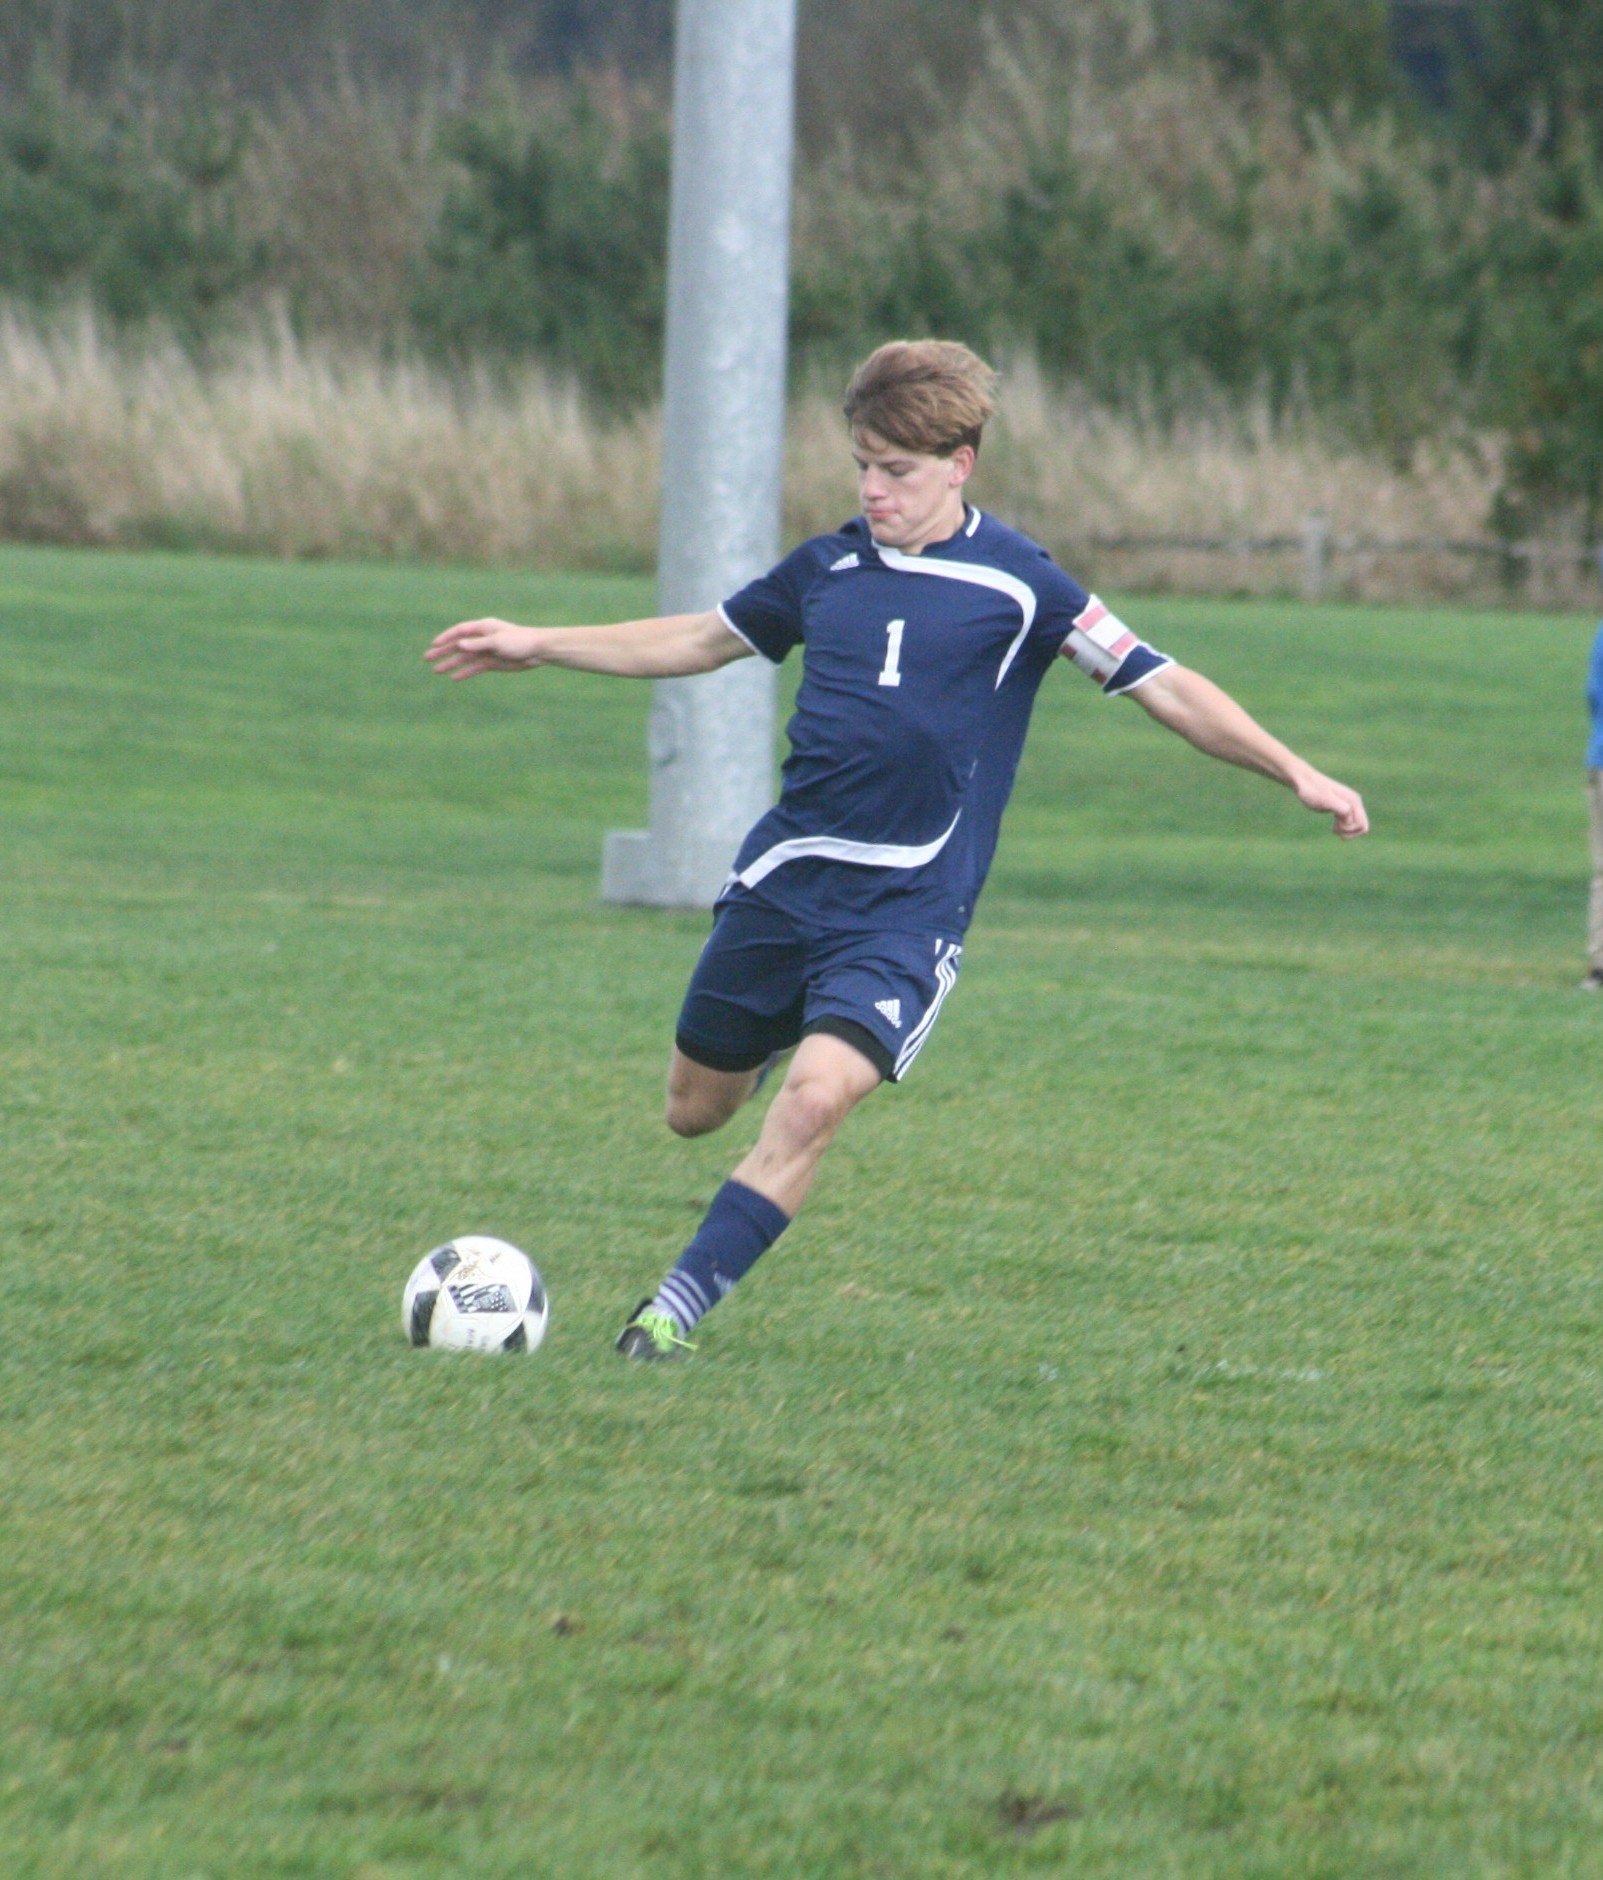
(711, 738)
(1315, 555)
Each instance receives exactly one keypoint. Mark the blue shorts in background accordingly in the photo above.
(766, 980)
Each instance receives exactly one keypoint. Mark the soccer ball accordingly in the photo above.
(475, 1294)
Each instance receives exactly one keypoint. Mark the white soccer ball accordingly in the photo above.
(475, 1293)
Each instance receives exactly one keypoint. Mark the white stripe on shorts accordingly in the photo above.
(946, 977)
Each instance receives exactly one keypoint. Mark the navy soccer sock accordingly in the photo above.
(738, 1229)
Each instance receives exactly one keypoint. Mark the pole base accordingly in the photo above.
(638, 870)
(627, 875)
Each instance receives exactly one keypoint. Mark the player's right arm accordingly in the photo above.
(671, 647)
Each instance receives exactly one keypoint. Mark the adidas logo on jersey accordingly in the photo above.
(846, 561)
(892, 1008)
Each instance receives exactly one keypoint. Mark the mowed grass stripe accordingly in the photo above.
(1168, 1445)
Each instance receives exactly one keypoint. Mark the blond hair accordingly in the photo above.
(927, 395)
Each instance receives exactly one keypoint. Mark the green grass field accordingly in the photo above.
(1169, 1444)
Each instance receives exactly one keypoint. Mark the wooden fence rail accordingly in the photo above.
(1320, 549)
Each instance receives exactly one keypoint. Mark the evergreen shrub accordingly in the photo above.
(137, 213)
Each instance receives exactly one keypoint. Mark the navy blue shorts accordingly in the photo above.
(764, 981)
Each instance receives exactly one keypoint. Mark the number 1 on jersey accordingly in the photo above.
(892, 674)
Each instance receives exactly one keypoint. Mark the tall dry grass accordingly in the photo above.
(277, 447)
(1074, 475)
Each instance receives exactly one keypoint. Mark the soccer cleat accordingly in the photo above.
(651, 1335)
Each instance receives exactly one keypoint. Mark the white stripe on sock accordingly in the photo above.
(681, 1287)
(682, 1299)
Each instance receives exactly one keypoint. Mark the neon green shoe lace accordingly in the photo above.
(663, 1331)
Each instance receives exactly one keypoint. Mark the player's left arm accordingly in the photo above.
(1211, 719)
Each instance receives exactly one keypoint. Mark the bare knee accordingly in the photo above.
(693, 1116)
(813, 1108)
(701, 1100)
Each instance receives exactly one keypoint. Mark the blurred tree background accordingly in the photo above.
(1388, 213)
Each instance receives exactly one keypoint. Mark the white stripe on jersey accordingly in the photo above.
(1008, 584)
(946, 978)
(1124, 691)
(838, 849)
(723, 615)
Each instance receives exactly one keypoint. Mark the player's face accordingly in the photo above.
(909, 497)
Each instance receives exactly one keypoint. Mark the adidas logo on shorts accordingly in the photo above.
(892, 1008)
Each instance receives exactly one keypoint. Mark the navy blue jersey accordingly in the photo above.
(919, 674)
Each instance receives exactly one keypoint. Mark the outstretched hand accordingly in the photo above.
(1346, 807)
(475, 646)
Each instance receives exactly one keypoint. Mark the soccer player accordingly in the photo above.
(926, 629)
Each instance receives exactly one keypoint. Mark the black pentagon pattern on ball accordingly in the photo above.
(423, 1316)
(444, 1260)
(536, 1293)
(517, 1339)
